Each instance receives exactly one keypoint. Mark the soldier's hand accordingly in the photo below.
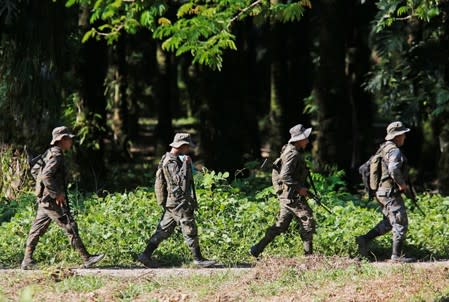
(403, 188)
(60, 200)
(303, 191)
(187, 159)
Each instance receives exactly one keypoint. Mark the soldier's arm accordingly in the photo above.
(395, 162)
(289, 163)
(49, 173)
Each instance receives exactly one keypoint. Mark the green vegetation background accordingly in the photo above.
(232, 215)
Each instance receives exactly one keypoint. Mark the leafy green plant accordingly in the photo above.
(231, 217)
(200, 28)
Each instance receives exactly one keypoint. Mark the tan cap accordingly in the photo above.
(394, 129)
(181, 139)
(59, 133)
(299, 132)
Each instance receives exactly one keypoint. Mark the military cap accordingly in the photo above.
(181, 139)
(59, 133)
(394, 129)
(299, 132)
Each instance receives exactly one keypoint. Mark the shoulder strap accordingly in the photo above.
(385, 148)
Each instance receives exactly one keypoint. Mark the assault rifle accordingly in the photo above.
(314, 194)
(67, 212)
(410, 193)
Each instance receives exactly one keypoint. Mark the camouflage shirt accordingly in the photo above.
(397, 166)
(53, 175)
(293, 172)
(178, 183)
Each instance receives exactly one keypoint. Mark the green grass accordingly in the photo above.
(79, 284)
(316, 278)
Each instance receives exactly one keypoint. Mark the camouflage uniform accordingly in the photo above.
(179, 208)
(291, 178)
(394, 172)
(50, 183)
(395, 215)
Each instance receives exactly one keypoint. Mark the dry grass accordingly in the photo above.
(272, 279)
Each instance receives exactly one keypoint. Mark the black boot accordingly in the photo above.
(397, 256)
(145, 257)
(28, 262)
(258, 248)
(308, 247)
(199, 260)
(363, 241)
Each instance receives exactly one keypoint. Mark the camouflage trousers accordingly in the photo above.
(184, 217)
(47, 212)
(394, 217)
(290, 208)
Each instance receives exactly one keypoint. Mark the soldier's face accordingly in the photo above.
(399, 140)
(66, 143)
(302, 144)
(184, 149)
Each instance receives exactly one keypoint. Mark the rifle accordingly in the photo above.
(410, 193)
(189, 188)
(66, 209)
(314, 194)
(192, 181)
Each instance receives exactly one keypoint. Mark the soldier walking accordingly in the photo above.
(52, 201)
(290, 185)
(392, 184)
(180, 203)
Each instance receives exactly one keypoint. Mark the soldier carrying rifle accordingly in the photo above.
(53, 205)
(179, 202)
(392, 181)
(289, 181)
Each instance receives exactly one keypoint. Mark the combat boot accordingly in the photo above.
(308, 247)
(93, 259)
(254, 251)
(397, 256)
(362, 246)
(363, 241)
(258, 248)
(28, 262)
(145, 257)
(199, 260)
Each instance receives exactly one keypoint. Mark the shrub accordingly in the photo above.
(231, 217)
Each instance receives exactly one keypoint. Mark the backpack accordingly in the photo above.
(372, 170)
(277, 165)
(37, 164)
(160, 184)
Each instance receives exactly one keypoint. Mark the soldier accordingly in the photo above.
(180, 204)
(52, 201)
(290, 187)
(392, 184)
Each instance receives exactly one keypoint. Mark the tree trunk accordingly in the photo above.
(335, 137)
(33, 63)
(164, 99)
(290, 79)
(361, 102)
(92, 68)
(229, 129)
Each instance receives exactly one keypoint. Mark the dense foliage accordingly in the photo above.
(120, 73)
(201, 28)
(231, 217)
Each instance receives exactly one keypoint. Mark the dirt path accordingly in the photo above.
(157, 272)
